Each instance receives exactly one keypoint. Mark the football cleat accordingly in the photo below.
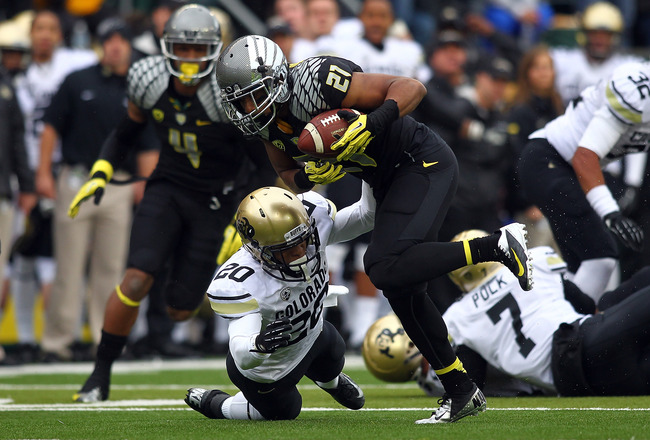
(347, 393)
(455, 408)
(513, 253)
(95, 389)
(203, 401)
(95, 394)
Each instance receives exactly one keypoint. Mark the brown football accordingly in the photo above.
(321, 132)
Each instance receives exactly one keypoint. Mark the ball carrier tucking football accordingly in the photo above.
(318, 136)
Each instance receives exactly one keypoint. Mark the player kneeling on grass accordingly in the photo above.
(273, 291)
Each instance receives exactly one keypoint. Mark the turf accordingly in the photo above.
(147, 404)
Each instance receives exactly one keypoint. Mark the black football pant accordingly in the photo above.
(281, 400)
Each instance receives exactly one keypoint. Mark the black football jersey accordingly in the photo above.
(321, 83)
(200, 149)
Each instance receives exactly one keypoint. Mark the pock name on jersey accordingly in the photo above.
(489, 289)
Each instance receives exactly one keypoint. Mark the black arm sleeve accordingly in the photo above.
(636, 282)
(122, 138)
(474, 364)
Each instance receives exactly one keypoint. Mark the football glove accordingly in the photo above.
(274, 336)
(100, 174)
(322, 173)
(231, 243)
(625, 229)
(363, 129)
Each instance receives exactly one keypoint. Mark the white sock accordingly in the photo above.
(593, 275)
(238, 408)
(332, 384)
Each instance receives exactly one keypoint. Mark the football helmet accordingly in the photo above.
(191, 24)
(253, 69)
(601, 16)
(388, 352)
(271, 220)
(469, 277)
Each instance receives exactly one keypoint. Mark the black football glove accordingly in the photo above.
(625, 229)
(275, 335)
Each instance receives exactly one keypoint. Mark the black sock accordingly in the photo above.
(110, 347)
(456, 382)
(483, 248)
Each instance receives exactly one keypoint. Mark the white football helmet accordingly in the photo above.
(469, 277)
(253, 68)
(191, 24)
(388, 352)
(270, 220)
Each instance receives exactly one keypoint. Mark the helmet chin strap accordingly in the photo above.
(301, 264)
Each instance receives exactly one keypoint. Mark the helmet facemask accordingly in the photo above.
(253, 75)
(272, 221)
(191, 25)
(271, 256)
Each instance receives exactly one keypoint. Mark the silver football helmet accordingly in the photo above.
(271, 220)
(191, 24)
(388, 352)
(469, 277)
(253, 70)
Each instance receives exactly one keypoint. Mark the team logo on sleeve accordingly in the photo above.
(285, 294)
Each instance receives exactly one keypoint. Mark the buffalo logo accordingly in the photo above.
(285, 294)
(386, 338)
(245, 228)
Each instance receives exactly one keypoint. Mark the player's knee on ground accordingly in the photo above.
(288, 409)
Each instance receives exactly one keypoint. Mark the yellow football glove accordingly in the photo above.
(356, 138)
(363, 128)
(323, 172)
(100, 174)
(231, 243)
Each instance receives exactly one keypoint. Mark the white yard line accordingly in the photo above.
(179, 405)
(130, 367)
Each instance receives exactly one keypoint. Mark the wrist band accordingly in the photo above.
(601, 200)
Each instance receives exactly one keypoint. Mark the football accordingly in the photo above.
(321, 132)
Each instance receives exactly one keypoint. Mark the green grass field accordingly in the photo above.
(146, 403)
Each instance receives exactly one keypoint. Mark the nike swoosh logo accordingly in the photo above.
(266, 392)
(521, 267)
(428, 164)
(359, 125)
(201, 123)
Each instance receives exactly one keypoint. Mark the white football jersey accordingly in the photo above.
(36, 87)
(611, 118)
(397, 57)
(513, 329)
(574, 72)
(242, 287)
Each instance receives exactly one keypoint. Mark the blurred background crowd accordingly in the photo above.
(495, 71)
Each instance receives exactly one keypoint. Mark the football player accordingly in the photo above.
(272, 291)
(191, 195)
(561, 172)
(539, 337)
(412, 171)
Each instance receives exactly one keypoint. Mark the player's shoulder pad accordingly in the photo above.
(147, 79)
(316, 203)
(626, 91)
(545, 259)
(209, 93)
